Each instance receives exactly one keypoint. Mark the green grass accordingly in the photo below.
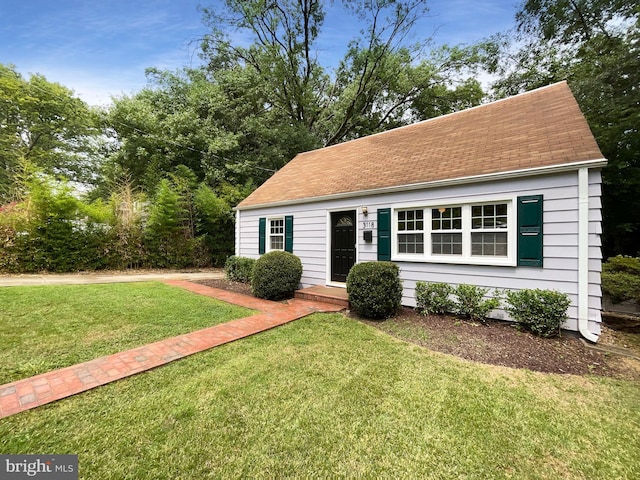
(327, 396)
(43, 328)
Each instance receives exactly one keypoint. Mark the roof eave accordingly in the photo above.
(487, 177)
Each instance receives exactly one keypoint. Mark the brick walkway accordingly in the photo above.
(48, 387)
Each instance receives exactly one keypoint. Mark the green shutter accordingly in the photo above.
(530, 231)
(262, 228)
(384, 234)
(288, 233)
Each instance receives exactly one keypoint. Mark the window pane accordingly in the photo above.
(489, 216)
(407, 220)
(449, 219)
(446, 244)
(489, 244)
(277, 226)
(411, 243)
(277, 243)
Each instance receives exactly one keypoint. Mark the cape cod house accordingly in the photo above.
(504, 195)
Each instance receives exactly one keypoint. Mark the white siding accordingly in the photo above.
(595, 252)
(560, 247)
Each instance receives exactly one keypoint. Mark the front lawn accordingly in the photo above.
(328, 396)
(44, 328)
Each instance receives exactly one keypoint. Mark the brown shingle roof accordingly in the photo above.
(541, 128)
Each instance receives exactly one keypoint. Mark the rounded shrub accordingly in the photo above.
(471, 302)
(434, 298)
(374, 289)
(541, 311)
(276, 275)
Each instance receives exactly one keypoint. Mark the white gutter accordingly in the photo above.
(487, 177)
(583, 255)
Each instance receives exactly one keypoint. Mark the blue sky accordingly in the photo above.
(102, 48)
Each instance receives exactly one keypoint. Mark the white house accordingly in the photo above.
(505, 195)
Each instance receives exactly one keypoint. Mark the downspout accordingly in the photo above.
(583, 255)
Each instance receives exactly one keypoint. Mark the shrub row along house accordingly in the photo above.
(505, 195)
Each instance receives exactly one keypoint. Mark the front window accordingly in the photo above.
(489, 225)
(276, 234)
(458, 233)
(446, 225)
(410, 231)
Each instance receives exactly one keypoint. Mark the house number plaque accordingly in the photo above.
(368, 224)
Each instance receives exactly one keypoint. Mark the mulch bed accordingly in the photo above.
(501, 343)
(496, 343)
(224, 284)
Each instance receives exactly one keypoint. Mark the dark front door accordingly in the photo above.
(343, 244)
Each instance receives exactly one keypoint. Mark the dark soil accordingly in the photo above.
(500, 343)
(223, 284)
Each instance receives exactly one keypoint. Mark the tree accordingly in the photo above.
(381, 82)
(216, 129)
(43, 124)
(251, 108)
(595, 45)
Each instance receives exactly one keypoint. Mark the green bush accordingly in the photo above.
(434, 298)
(470, 302)
(52, 230)
(375, 289)
(622, 264)
(276, 275)
(541, 311)
(621, 278)
(239, 269)
(621, 286)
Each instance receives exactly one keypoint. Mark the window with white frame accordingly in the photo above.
(410, 231)
(489, 225)
(446, 228)
(473, 232)
(276, 234)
